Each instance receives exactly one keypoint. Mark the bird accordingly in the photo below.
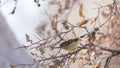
(70, 44)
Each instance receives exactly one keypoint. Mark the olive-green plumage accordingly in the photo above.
(70, 44)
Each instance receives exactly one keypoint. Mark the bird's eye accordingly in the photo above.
(70, 41)
(76, 39)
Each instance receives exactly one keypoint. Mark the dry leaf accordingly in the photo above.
(91, 66)
(95, 19)
(57, 62)
(51, 66)
(105, 14)
(56, 16)
(42, 50)
(98, 42)
(12, 66)
(113, 21)
(13, 11)
(61, 66)
(93, 39)
(56, 31)
(118, 55)
(54, 26)
(28, 38)
(79, 24)
(60, 7)
(87, 58)
(67, 3)
(111, 25)
(65, 25)
(25, 47)
(32, 53)
(42, 27)
(98, 65)
(100, 39)
(111, 39)
(81, 10)
(118, 8)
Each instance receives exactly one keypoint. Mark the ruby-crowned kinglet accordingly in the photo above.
(70, 44)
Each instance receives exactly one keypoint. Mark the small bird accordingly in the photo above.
(70, 44)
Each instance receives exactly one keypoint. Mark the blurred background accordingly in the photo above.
(28, 16)
(25, 19)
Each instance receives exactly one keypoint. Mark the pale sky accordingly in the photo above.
(27, 16)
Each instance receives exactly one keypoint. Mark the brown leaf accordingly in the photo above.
(60, 7)
(61, 66)
(65, 25)
(25, 47)
(118, 55)
(81, 10)
(51, 66)
(79, 24)
(42, 50)
(13, 11)
(91, 66)
(98, 65)
(42, 27)
(57, 62)
(101, 39)
(93, 39)
(118, 8)
(113, 21)
(12, 66)
(95, 19)
(56, 31)
(87, 58)
(111, 25)
(56, 16)
(28, 38)
(67, 3)
(32, 53)
(111, 39)
(105, 14)
(54, 26)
